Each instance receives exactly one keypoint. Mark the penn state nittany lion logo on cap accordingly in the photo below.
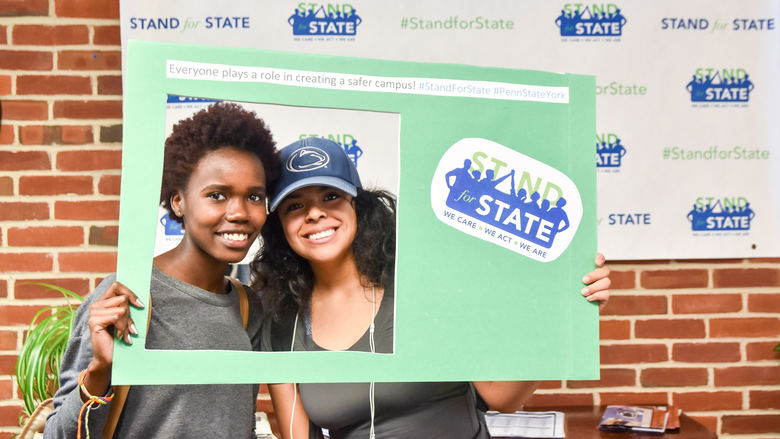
(307, 159)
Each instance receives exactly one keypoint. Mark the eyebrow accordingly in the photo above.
(224, 187)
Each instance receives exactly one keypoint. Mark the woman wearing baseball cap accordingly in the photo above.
(326, 271)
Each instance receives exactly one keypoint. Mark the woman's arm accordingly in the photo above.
(509, 396)
(282, 397)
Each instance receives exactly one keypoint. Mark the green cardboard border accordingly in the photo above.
(457, 320)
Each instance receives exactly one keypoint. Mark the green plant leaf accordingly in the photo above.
(37, 369)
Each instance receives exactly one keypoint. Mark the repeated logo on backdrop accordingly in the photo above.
(596, 20)
(347, 141)
(727, 214)
(720, 86)
(323, 20)
(609, 152)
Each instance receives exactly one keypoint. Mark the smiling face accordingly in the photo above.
(319, 223)
(223, 205)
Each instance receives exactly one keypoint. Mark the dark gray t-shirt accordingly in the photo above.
(429, 410)
(184, 317)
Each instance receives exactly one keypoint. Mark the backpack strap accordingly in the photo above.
(243, 300)
(121, 392)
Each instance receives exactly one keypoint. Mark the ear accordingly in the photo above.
(177, 204)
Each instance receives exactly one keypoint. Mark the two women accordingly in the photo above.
(326, 272)
(217, 166)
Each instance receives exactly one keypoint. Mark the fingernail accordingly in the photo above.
(586, 279)
(585, 291)
(128, 340)
(132, 329)
(141, 304)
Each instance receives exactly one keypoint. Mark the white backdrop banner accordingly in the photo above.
(687, 154)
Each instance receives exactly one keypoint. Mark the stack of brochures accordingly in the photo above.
(645, 419)
(525, 424)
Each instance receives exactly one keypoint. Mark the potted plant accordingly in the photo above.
(38, 366)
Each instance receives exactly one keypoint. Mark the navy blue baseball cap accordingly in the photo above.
(314, 161)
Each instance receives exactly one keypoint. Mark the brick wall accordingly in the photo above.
(698, 334)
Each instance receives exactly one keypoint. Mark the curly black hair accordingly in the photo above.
(221, 124)
(287, 279)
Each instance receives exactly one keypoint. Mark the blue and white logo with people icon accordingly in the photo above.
(720, 86)
(594, 20)
(609, 151)
(710, 214)
(501, 196)
(312, 19)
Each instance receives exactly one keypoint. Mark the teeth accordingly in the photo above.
(322, 234)
(235, 236)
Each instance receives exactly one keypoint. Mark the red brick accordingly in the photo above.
(55, 185)
(3, 29)
(9, 340)
(107, 35)
(24, 110)
(551, 384)
(89, 160)
(6, 186)
(6, 132)
(685, 278)
(3, 288)
(762, 351)
(20, 262)
(622, 280)
(559, 400)
(86, 210)
(626, 398)
(88, 109)
(76, 135)
(24, 160)
(38, 35)
(609, 378)
(61, 236)
(747, 376)
(745, 327)
(708, 401)
(764, 303)
(53, 85)
(614, 329)
(19, 314)
(746, 277)
(15, 8)
(103, 235)
(5, 80)
(101, 262)
(89, 60)
(669, 328)
(706, 303)
(711, 422)
(746, 424)
(14, 211)
(765, 399)
(27, 288)
(25, 60)
(87, 8)
(110, 85)
(673, 377)
(6, 389)
(109, 184)
(9, 414)
(634, 353)
(38, 135)
(635, 305)
(705, 352)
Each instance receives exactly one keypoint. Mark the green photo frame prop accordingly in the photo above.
(472, 303)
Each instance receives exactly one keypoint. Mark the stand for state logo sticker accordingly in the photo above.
(506, 198)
